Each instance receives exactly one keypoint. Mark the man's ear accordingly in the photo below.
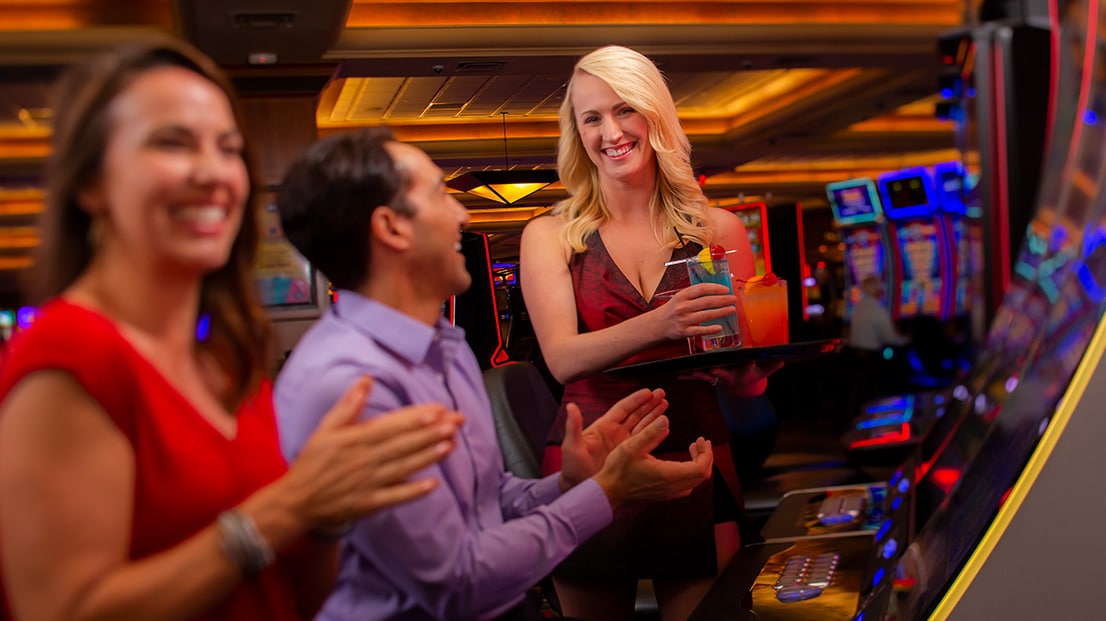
(391, 229)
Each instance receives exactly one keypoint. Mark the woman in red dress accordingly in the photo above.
(590, 274)
(140, 471)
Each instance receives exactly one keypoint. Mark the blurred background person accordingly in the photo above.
(871, 328)
(872, 369)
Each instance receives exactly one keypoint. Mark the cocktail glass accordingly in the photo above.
(715, 271)
(764, 309)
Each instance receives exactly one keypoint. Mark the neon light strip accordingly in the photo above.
(1003, 172)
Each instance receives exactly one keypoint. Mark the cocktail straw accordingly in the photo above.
(686, 260)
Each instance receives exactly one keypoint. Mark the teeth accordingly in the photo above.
(205, 215)
(620, 151)
(458, 247)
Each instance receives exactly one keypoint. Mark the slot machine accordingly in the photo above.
(858, 214)
(919, 245)
(1007, 480)
(965, 235)
(476, 310)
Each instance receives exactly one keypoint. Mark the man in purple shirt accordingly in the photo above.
(374, 215)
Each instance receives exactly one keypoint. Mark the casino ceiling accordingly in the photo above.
(779, 97)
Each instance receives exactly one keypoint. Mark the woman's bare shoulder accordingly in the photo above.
(543, 225)
(542, 238)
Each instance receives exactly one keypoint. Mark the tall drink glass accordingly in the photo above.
(715, 271)
(764, 308)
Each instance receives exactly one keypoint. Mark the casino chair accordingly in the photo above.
(523, 409)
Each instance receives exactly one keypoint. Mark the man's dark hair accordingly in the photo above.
(328, 197)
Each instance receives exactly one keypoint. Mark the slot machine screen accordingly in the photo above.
(906, 196)
(854, 201)
(950, 188)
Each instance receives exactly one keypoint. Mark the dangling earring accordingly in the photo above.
(95, 233)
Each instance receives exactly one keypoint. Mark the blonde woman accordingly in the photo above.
(590, 274)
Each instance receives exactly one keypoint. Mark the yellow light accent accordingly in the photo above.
(503, 186)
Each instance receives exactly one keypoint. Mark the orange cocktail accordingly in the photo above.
(764, 306)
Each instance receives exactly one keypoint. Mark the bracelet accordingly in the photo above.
(242, 542)
(332, 532)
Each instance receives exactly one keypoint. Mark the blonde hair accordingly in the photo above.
(677, 201)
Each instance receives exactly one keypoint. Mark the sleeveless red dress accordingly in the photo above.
(186, 471)
(674, 539)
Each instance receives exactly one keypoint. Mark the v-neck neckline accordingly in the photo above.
(645, 303)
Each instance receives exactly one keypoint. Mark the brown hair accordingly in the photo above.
(239, 328)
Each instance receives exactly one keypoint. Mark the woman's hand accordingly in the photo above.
(682, 315)
(349, 469)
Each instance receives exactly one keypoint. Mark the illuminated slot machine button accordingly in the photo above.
(886, 526)
(794, 572)
(825, 562)
(889, 548)
(797, 593)
(820, 580)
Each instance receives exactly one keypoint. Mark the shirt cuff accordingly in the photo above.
(548, 488)
(587, 508)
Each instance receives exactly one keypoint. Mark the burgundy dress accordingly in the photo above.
(674, 539)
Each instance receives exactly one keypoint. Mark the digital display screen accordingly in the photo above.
(854, 201)
(950, 188)
(906, 195)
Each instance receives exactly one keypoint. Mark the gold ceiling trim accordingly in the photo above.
(14, 264)
(18, 237)
(902, 124)
(374, 14)
(814, 170)
(20, 143)
(502, 215)
(787, 90)
(47, 15)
